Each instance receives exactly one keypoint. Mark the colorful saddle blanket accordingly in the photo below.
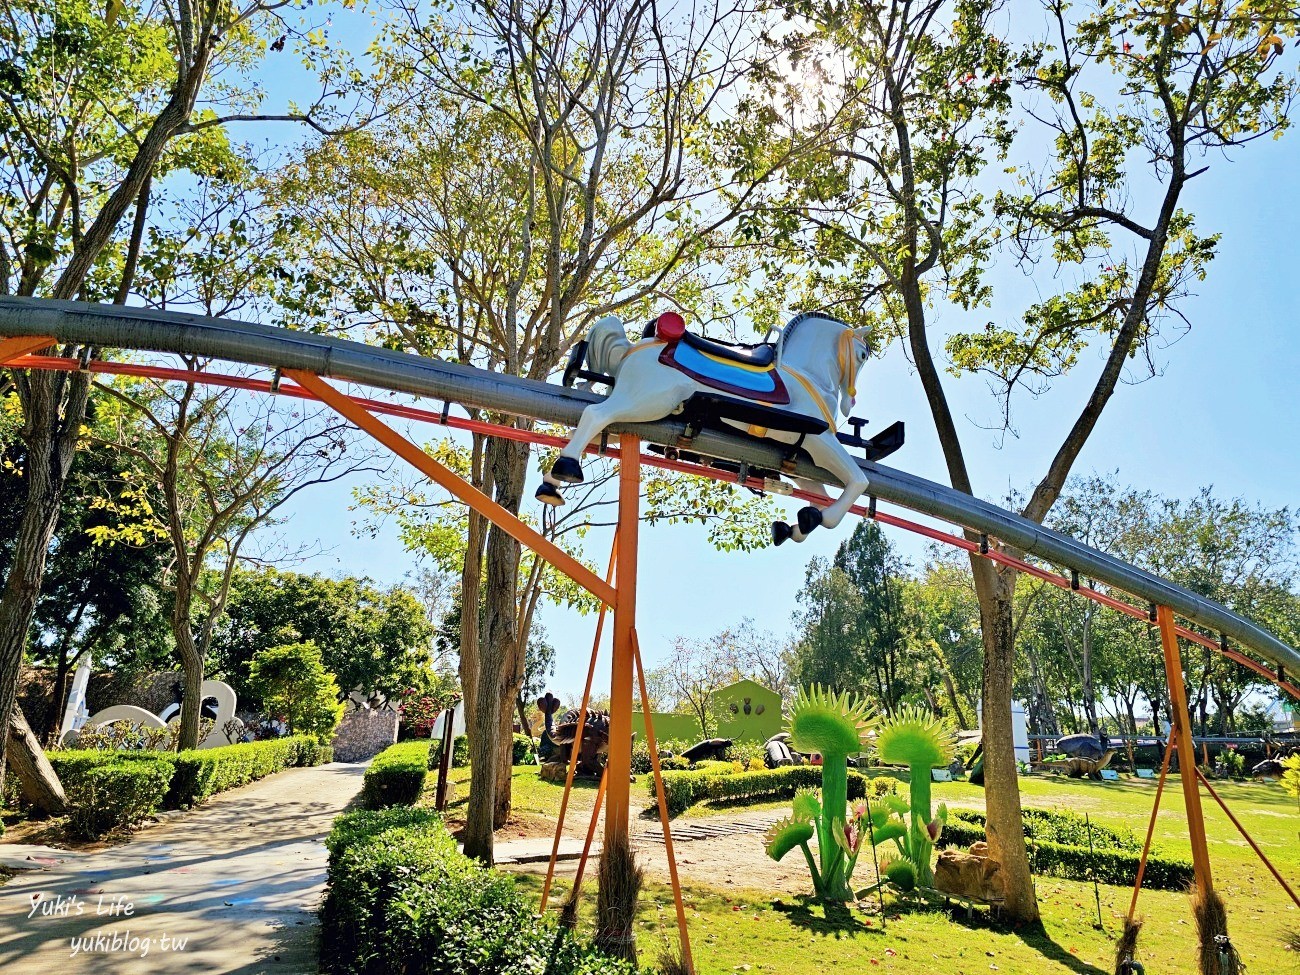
(761, 383)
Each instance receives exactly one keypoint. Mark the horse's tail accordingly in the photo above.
(607, 345)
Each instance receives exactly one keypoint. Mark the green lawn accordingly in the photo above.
(749, 930)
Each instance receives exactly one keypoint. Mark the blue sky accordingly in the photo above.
(1222, 412)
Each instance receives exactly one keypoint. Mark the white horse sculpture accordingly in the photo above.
(810, 370)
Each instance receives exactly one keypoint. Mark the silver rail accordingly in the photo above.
(112, 326)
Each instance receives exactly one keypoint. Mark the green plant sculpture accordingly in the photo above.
(914, 738)
(833, 725)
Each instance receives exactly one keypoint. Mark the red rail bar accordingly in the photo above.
(551, 440)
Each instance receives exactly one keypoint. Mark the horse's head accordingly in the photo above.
(853, 350)
(828, 348)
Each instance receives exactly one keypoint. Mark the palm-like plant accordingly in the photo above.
(835, 726)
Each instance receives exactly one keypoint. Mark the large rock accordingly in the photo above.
(971, 876)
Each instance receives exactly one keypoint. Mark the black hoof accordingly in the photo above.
(780, 532)
(549, 494)
(809, 518)
(568, 470)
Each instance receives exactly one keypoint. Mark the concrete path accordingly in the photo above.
(231, 887)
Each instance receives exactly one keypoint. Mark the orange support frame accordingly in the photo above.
(1151, 828)
(1182, 733)
(454, 484)
(576, 754)
(16, 348)
(618, 767)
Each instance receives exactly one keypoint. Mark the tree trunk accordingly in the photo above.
(950, 688)
(191, 665)
(522, 710)
(507, 463)
(49, 436)
(40, 784)
(1005, 829)
(471, 590)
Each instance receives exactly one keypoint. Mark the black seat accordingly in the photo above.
(761, 355)
(701, 408)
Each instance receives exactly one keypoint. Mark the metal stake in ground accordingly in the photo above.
(1096, 890)
(875, 863)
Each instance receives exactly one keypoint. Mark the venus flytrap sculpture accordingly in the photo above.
(914, 738)
(833, 725)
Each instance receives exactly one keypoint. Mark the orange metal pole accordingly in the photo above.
(1151, 828)
(1242, 830)
(1186, 750)
(16, 348)
(653, 745)
(453, 483)
(618, 767)
(591, 834)
(577, 742)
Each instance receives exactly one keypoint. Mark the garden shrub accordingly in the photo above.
(684, 789)
(401, 898)
(523, 753)
(1234, 762)
(115, 794)
(641, 759)
(396, 776)
(459, 752)
(1058, 847)
(882, 785)
(745, 751)
(203, 772)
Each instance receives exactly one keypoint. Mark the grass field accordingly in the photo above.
(743, 929)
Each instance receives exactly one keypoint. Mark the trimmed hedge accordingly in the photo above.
(396, 776)
(116, 794)
(110, 790)
(685, 789)
(203, 772)
(1058, 847)
(459, 752)
(524, 751)
(400, 898)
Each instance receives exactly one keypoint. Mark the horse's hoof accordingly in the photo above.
(809, 518)
(549, 494)
(568, 470)
(780, 532)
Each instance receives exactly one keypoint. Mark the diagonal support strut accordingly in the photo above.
(453, 483)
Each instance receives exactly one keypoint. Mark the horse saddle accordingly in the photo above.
(747, 371)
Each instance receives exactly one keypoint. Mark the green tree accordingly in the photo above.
(521, 187)
(945, 620)
(97, 106)
(376, 641)
(878, 573)
(898, 207)
(206, 474)
(296, 687)
(95, 599)
(826, 651)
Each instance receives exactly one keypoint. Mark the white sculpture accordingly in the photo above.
(810, 370)
(221, 692)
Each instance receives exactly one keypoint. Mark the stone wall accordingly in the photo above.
(363, 734)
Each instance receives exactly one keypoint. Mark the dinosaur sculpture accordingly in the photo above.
(591, 753)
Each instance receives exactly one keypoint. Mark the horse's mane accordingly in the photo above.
(794, 323)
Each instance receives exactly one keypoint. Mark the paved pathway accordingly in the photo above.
(232, 886)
